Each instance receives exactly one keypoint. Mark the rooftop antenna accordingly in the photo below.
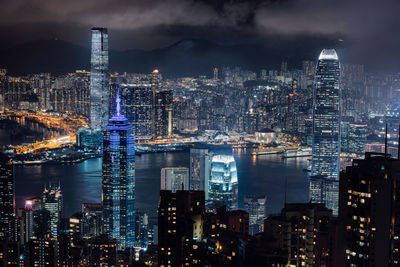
(118, 100)
(398, 144)
(386, 133)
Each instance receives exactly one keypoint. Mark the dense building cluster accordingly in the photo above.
(336, 109)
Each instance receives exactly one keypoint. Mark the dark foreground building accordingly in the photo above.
(304, 234)
(369, 212)
(6, 196)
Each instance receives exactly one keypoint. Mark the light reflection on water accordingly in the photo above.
(81, 182)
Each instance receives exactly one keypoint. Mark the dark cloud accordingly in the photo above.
(365, 26)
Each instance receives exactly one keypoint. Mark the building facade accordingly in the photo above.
(369, 208)
(99, 79)
(255, 206)
(223, 183)
(163, 113)
(299, 231)
(326, 121)
(6, 196)
(53, 202)
(137, 106)
(179, 219)
(175, 178)
(199, 169)
(118, 180)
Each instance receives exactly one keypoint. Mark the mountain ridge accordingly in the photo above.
(187, 57)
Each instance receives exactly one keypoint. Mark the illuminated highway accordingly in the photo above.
(67, 123)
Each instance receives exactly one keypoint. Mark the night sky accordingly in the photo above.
(367, 30)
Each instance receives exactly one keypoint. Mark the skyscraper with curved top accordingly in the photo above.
(326, 129)
(118, 180)
(99, 79)
(223, 182)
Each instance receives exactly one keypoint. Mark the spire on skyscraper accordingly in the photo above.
(118, 116)
(118, 106)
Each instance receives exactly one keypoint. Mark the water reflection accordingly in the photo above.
(82, 182)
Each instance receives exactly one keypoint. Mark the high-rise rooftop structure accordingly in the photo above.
(99, 79)
(6, 196)
(175, 178)
(223, 182)
(118, 181)
(369, 212)
(326, 121)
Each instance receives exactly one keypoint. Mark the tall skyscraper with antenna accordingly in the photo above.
(326, 130)
(99, 79)
(118, 179)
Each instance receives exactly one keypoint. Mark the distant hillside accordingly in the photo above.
(184, 58)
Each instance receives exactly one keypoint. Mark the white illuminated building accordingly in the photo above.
(326, 131)
(223, 182)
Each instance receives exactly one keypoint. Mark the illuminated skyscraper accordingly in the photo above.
(99, 79)
(174, 179)
(163, 113)
(326, 122)
(6, 196)
(137, 106)
(118, 185)
(52, 202)
(223, 183)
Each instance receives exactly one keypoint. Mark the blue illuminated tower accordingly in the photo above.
(326, 130)
(99, 79)
(118, 181)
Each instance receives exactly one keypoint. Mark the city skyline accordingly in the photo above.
(273, 166)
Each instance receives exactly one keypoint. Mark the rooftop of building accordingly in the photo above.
(329, 54)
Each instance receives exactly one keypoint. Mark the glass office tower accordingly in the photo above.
(118, 183)
(99, 79)
(326, 125)
(223, 183)
(53, 202)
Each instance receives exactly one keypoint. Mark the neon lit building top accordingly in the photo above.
(118, 121)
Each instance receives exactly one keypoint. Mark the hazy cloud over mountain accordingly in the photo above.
(364, 26)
